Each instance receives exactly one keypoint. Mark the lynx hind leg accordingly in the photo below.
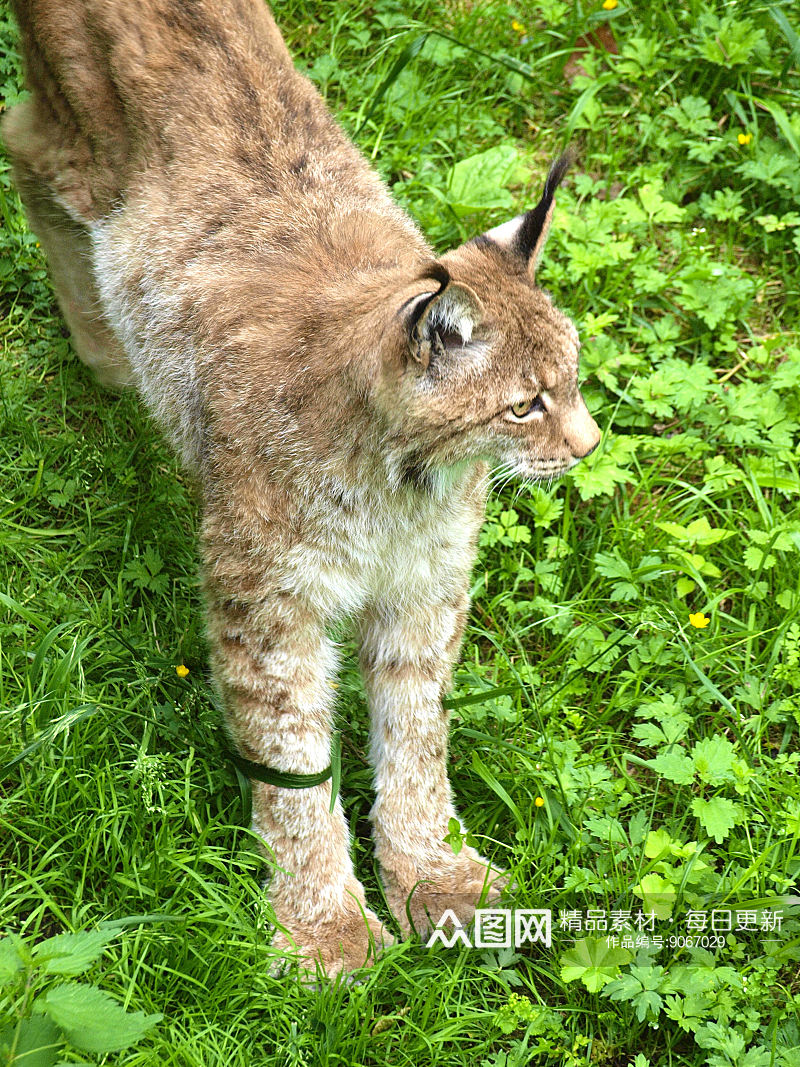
(67, 245)
(406, 661)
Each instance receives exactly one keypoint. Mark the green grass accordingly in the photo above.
(666, 755)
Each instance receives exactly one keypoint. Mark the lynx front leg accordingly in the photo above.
(406, 661)
(274, 665)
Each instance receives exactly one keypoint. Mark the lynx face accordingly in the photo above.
(492, 372)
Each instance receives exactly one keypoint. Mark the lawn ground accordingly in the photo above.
(640, 618)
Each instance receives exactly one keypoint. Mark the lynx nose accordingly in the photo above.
(581, 432)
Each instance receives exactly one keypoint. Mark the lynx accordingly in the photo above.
(338, 392)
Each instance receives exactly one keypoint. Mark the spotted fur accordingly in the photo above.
(338, 392)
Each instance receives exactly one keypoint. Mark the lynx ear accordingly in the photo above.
(442, 321)
(525, 235)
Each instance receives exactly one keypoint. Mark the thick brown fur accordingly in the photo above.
(338, 393)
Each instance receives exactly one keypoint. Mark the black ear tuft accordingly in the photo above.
(533, 230)
(558, 169)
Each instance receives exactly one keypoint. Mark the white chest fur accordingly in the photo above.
(400, 550)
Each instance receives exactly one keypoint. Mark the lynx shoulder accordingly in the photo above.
(337, 390)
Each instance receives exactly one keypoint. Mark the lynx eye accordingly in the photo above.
(522, 408)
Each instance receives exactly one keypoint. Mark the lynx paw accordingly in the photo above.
(460, 883)
(340, 944)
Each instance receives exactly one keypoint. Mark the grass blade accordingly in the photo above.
(406, 56)
(787, 30)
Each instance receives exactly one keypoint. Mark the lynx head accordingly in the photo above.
(489, 365)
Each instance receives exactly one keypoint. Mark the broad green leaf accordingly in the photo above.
(657, 844)
(713, 759)
(546, 509)
(760, 1056)
(606, 829)
(779, 542)
(711, 570)
(787, 375)
(693, 561)
(698, 532)
(637, 827)
(692, 980)
(658, 895)
(600, 476)
(624, 591)
(721, 1037)
(647, 733)
(38, 1042)
(593, 962)
(725, 205)
(647, 1002)
(667, 706)
(717, 816)
(721, 474)
(673, 386)
(671, 722)
(772, 223)
(756, 559)
(623, 988)
(454, 836)
(93, 1021)
(478, 182)
(640, 987)
(612, 565)
(728, 39)
(72, 953)
(658, 209)
(323, 68)
(10, 960)
(791, 825)
(674, 766)
(692, 115)
(715, 292)
(674, 529)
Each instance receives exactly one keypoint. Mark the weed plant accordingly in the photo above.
(626, 712)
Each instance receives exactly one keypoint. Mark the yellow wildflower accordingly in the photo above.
(744, 138)
(539, 802)
(181, 670)
(699, 620)
(609, 5)
(517, 27)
